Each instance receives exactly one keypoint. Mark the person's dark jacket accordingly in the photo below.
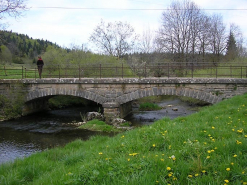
(40, 62)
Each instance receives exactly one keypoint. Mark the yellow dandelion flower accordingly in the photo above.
(213, 127)
(175, 178)
(233, 129)
(170, 146)
(196, 175)
(208, 157)
(190, 176)
(228, 169)
(240, 131)
(209, 151)
(232, 163)
(168, 168)
(162, 159)
(100, 153)
(129, 159)
(203, 171)
(238, 142)
(122, 136)
(153, 145)
(170, 174)
(226, 181)
(243, 172)
(245, 135)
(235, 155)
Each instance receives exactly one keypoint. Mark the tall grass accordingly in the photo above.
(208, 147)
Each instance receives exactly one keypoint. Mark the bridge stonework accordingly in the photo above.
(116, 94)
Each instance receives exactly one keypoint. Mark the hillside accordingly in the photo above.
(17, 48)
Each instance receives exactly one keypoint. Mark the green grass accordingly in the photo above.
(96, 125)
(149, 106)
(208, 147)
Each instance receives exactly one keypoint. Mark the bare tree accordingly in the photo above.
(115, 39)
(217, 37)
(12, 8)
(146, 41)
(180, 29)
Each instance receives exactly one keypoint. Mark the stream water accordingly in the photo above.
(34, 133)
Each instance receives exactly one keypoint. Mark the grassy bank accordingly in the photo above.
(208, 147)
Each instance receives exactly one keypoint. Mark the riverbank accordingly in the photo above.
(202, 148)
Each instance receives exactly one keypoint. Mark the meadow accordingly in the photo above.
(208, 147)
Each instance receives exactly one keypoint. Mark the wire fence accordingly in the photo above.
(168, 70)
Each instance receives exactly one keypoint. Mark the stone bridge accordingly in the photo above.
(116, 94)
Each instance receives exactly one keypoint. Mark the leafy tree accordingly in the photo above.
(5, 55)
(231, 50)
(115, 39)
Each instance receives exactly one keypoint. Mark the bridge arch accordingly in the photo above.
(155, 91)
(36, 94)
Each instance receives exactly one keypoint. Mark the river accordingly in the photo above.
(34, 133)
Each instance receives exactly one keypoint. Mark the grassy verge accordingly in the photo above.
(208, 147)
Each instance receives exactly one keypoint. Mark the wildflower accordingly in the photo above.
(235, 155)
(209, 151)
(196, 175)
(190, 176)
(226, 181)
(162, 159)
(157, 181)
(242, 172)
(245, 136)
(239, 142)
(122, 136)
(168, 168)
(173, 157)
(170, 146)
(153, 145)
(129, 159)
(175, 178)
(203, 171)
(100, 153)
(213, 127)
(170, 174)
(228, 169)
(232, 163)
(133, 154)
(233, 130)
(208, 157)
(240, 131)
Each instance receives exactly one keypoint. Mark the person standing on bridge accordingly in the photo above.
(40, 64)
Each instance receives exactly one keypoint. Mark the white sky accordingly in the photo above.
(74, 26)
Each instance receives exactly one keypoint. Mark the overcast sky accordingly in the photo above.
(74, 26)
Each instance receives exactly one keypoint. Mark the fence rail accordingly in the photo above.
(169, 70)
